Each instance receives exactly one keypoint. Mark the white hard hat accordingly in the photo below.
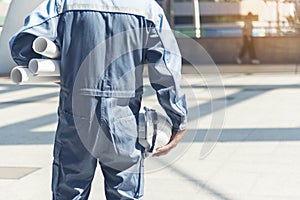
(155, 130)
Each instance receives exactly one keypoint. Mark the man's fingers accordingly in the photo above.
(176, 137)
(164, 150)
(161, 153)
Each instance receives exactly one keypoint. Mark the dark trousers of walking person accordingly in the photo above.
(248, 46)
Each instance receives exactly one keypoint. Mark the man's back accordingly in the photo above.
(106, 47)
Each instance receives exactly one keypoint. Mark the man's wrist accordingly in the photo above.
(178, 129)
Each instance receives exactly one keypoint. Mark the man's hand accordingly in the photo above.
(175, 138)
(249, 38)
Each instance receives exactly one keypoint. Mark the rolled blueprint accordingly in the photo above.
(45, 47)
(22, 74)
(46, 67)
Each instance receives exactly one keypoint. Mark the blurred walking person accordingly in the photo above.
(248, 45)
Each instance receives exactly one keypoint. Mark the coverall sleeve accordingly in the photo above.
(41, 22)
(164, 66)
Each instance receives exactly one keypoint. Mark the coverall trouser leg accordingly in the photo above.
(74, 166)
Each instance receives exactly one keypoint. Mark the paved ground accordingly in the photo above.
(256, 157)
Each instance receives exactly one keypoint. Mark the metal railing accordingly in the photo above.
(237, 31)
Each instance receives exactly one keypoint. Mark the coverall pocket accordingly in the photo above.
(126, 125)
(124, 121)
(124, 129)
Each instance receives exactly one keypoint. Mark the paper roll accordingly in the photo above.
(45, 47)
(20, 74)
(44, 67)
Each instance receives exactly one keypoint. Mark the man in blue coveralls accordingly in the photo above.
(104, 45)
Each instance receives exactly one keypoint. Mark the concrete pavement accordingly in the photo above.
(256, 157)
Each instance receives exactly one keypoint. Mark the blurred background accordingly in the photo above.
(4, 4)
(217, 26)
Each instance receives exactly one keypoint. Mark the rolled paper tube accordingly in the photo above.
(20, 74)
(44, 66)
(45, 47)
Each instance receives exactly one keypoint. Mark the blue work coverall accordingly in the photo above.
(104, 46)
